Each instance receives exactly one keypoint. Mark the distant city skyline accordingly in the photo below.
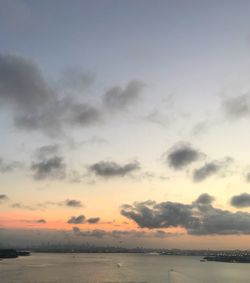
(125, 123)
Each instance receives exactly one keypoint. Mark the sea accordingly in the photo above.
(119, 268)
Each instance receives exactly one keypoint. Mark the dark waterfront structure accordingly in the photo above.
(229, 258)
(11, 253)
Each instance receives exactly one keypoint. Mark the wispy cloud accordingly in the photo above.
(211, 168)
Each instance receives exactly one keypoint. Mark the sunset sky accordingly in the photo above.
(125, 123)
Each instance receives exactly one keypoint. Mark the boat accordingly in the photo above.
(23, 253)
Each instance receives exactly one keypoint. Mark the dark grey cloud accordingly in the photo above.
(83, 115)
(41, 221)
(37, 105)
(73, 203)
(237, 107)
(3, 198)
(207, 170)
(204, 202)
(240, 201)
(93, 220)
(50, 168)
(152, 215)
(112, 169)
(60, 116)
(22, 84)
(181, 155)
(198, 218)
(204, 199)
(77, 219)
(210, 168)
(117, 98)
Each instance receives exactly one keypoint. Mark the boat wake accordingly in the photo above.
(175, 276)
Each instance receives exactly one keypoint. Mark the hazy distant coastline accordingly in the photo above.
(112, 249)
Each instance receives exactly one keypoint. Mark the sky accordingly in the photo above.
(125, 123)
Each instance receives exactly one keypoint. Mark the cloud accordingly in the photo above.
(247, 177)
(9, 166)
(59, 116)
(41, 221)
(112, 169)
(22, 84)
(22, 206)
(95, 140)
(205, 171)
(82, 219)
(47, 151)
(209, 169)
(77, 219)
(156, 117)
(98, 233)
(240, 201)
(204, 199)
(73, 203)
(237, 107)
(118, 234)
(151, 215)
(83, 115)
(75, 80)
(50, 168)
(201, 127)
(38, 237)
(117, 98)
(35, 104)
(3, 198)
(93, 220)
(198, 218)
(181, 155)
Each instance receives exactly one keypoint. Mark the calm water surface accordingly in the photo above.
(122, 268)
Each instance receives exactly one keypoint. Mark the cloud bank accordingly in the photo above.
(198, 218)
